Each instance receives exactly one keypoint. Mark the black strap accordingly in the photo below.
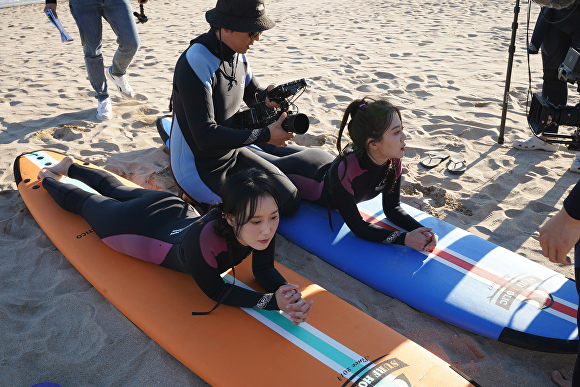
(327, 198)
(326, 187)
(221, 300)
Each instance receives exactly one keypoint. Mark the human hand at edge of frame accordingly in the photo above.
(558, 236)
(290, 300)
(278, 136)
(51, 6)
(271, 104)
(421, 239)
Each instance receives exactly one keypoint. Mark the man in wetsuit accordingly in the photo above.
(557, 237)
(212, 78)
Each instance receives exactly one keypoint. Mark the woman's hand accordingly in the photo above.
(434, 238)
(421, 239)
(290, 300)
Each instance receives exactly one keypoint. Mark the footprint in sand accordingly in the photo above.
(384, 75)
(364, 88)
(343, 98)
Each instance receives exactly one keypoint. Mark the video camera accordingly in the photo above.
(542, 113)
(259, 115)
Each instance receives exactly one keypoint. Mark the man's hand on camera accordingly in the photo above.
(278, 136)
(51, 6)
(271, 104)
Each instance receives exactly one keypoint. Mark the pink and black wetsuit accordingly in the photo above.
(341, 183)
(161, 228)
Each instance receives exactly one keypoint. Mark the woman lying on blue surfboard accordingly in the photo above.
(368, 166)
(161, 228)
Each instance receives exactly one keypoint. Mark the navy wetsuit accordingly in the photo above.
(343, 182)
(572, 207)
(161, 228)
(206, 143)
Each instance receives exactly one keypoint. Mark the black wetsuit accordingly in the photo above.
(343, 182)
(572, 207)
(161, 228)
(210, 83)
(563, 32)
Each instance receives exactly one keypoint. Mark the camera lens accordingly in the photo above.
(296, 123)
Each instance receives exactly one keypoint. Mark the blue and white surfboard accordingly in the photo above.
(467, 281)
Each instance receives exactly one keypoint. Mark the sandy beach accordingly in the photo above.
(443, 63)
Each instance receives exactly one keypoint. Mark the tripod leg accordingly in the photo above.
(512, 50)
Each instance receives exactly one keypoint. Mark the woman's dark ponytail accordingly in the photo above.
(369, 118)
(351, 110)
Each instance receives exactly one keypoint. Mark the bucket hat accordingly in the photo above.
(240, 16)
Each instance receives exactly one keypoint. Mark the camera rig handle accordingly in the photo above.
(282, 92)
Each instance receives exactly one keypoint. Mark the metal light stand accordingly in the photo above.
(512, 50)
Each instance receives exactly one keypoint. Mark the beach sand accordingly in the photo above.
(443, 63)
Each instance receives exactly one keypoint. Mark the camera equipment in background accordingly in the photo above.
(259, 115)
(542, 113)
(141, 18)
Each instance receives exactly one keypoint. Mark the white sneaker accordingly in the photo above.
(121, 82)
(575, 167)
(535, 143)
(105, 110)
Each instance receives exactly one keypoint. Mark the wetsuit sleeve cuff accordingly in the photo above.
(396, 238)
(272, 303)
(571, 204)
(264, 135)
(50, 1)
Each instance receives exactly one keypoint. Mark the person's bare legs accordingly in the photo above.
(57, 171)
(562, 378)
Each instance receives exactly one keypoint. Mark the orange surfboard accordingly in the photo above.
(339, 346)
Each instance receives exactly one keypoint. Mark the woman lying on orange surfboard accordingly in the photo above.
(161, 228)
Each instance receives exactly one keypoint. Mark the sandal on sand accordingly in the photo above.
(535, 143)
(433, 159)
(456, 165)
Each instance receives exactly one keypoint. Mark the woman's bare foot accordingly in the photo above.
(57, 171)
(562, 378)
